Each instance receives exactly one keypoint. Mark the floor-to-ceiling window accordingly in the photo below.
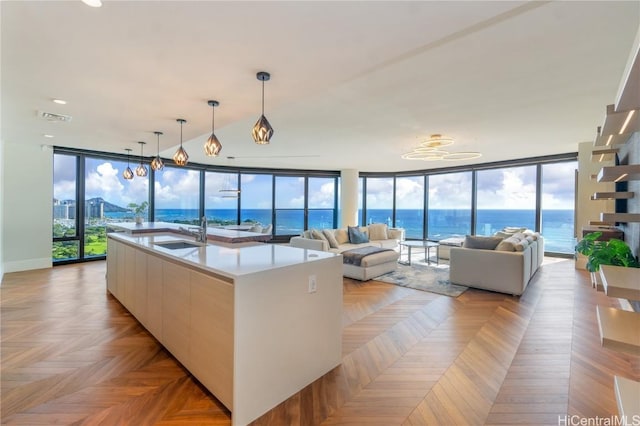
(505, 197)
(558, 201)
(449, 211)
(410, 205)
(108, 198)
(256, 198)
(177, 195)
(66, 242)
(289, 205)
(221, 198)
(379, 200)
(321, 202)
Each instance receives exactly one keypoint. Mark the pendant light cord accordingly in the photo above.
(262, 96)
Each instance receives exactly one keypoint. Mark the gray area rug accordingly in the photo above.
(432, 278)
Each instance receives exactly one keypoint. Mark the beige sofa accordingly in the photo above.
(507, 268)
(379, 235)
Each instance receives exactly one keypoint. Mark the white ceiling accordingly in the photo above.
(354, 84)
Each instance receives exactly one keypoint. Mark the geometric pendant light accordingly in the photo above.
(141, 170)
(262, 130)
(181, 157)
(128, 173)
(157, 163)
(213, 146)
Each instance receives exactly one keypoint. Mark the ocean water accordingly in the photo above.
(557, 225)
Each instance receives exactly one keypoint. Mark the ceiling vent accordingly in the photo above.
(50, 116)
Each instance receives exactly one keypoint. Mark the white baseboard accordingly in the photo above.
(28, 264)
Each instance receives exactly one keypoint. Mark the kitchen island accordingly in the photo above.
(218, 235)
(253, 324)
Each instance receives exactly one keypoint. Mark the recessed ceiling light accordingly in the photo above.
(60, 101)
(92, 3)
(48, 136)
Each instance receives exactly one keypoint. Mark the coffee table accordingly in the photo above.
(424, 244)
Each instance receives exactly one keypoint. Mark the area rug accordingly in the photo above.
(432, 278)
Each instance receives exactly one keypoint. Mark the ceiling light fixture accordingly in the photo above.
(156, 163)
(93, 3)
(430, 150)
(181, 157)
(46, 135)
(141, 170)
(128, 173)
(59, 101)
(213, 146)
(262, 130)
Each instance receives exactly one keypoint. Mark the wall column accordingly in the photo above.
(349, 197)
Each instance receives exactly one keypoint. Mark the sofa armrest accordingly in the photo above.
(506, 272)
(308, 243)
(396, 233)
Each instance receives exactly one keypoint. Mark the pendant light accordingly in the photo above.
(141, 170)
(128, 173)
(262, 130)
(213, 146)
(156, 163)
(181, 157)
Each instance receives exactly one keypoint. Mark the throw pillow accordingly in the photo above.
(342, 236)
(503, 234)
(378, 231)
(356, 236)
(328, 233)
(481, 242)
(522, 245)
(512, 229)
(508, 244)
(256, 228)
(317, 235)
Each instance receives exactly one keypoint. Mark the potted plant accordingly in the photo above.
(612, 252)
(139, 211)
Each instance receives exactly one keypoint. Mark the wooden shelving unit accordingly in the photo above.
(620, 217)
(601, 154)
(628, 398)
(621, 282)
(619, 330)
(612, 195)
(619, 173)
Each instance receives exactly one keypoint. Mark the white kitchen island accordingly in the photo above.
(253, 324)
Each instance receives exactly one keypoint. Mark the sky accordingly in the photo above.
(177, 188)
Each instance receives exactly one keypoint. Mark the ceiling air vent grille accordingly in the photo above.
(50, 116)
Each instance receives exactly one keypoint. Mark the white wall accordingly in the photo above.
(2, 192)
(26, 207)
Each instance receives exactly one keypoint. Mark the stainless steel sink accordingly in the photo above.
(174, 245)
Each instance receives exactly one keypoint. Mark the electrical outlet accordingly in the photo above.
(313, 286)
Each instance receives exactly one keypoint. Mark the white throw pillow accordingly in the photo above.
(378, 231)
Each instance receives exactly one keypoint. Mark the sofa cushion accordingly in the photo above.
(331, 238)
(342, 236)
(481, 242)
(318, 235)
(508, 244)
(378, 231)
(356, 236)
(522, 245)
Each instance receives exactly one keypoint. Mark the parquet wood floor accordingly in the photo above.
(71, 354)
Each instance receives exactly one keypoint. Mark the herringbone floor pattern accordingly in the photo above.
(72, 355)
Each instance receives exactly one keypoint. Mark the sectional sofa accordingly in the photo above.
(341, 240)
(504, 264)
(378, 235)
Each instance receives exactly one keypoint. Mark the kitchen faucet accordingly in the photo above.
(200, 232)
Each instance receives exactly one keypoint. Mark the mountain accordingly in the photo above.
(108, 207)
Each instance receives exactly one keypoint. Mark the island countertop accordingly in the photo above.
(213, 234)
(227, 260)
